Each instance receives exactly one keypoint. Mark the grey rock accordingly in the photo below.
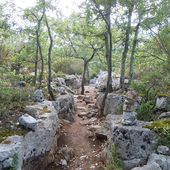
(129, 164)
(73, 81)
(38, 96)
(93, 81)
(31, 111)
(60, 90)
(162, 160)
(67, 153)
(65, 107)
(59, 81)
(133, 142)
(11, 152)
(152, 166)
(164, 115)
(161, 103)
(163, 150)
(113, 103)
(28, 121)
(44, 138)
(8, 163)
(129, 118)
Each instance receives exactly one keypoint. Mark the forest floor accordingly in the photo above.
(87, 150)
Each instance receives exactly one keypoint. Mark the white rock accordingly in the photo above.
(163, 150)
(161, 102)
(28, 121)
(63, 162)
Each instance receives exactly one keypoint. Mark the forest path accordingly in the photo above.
(86, 149)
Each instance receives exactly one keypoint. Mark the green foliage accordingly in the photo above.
(114, 162)
(68, 66)
(13, 98)
(162, 127)
(151, 85)
(14, 162)
(4, 133)
(145, 111)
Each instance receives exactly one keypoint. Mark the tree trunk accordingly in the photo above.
(36, 66)
(42, 60)
(84, 77)
(132, 57)
(125, 51)
(87, 74)
(49, 61)
(108, 47)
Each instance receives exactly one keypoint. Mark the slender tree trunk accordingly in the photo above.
(84, 77)
(125, 51)
(87, 75)
(132, 57)
(49, 61)
(36, 66)
(42, 60)
(108, 48)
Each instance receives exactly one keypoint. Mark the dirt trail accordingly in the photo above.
(86, 150)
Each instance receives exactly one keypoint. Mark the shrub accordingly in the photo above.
(162, 128)
(68, 66)
(114, 162)
(12, 98)
(145, 111)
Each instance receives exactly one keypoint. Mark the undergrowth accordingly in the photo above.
(114, 162)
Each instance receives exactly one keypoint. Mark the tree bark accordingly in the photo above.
(49, 61)
(132, 57)
(84, 77)
(108, 48)
(36, 66)
(125, 51)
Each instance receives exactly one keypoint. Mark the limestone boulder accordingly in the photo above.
(28, 121)
(10, 153)
(38, 96)
(65, 107)
(113, 103)
(162, 160)
(59, 81)
(133, 142)
(73, 81)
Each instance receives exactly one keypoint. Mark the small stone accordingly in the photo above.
(161, 102)
(164, 115)
(129, 118)
(163, 150)
(38, 96)
(28, 121)
(92, 167)
(82, 114)
(63, 162)
(93, 128)
(83, 157)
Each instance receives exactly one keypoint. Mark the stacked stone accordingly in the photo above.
(129, 107)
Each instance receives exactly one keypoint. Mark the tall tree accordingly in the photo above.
(105, 14)
(130, 6)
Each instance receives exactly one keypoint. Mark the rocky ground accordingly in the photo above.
(78, 147)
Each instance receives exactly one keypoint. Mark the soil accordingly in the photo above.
(87, 149)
